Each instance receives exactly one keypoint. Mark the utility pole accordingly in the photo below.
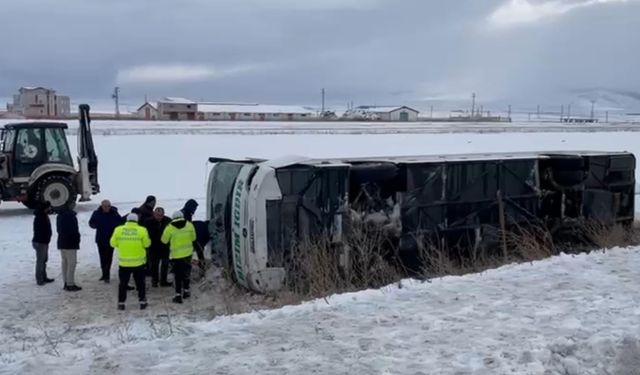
(473, 104)
(606, 117)
(538, 111)
(116, 97)
(561, 112)
(593, 107)
(569, 112)
(509, 111)
(323, 94)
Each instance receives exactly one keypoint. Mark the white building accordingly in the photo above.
(397, 113)
(253, 112)
(172, 108)
(148, 111)
(40, 102)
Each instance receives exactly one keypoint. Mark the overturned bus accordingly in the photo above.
(258, 209)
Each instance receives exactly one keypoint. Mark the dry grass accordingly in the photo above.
(368, 259)
(608, 236)
(317, 267)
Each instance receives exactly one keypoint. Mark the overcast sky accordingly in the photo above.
(285, 51)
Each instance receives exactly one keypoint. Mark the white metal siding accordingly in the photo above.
(395, 115)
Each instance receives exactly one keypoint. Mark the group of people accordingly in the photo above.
(146, 241)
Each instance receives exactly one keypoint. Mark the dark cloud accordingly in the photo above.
(368, 51)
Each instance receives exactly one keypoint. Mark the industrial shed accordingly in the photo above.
(253, 112)
(148, 111)
(391, 113)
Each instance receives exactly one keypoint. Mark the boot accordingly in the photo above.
(73, 288)
(177, 299)
(186, 294)
(65, 287)
(121, 306)
(143, 305)
(129, 287)
(48, 280)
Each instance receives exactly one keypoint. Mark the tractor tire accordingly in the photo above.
(57, 190)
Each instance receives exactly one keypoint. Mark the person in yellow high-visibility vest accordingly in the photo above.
(180, 235)
(131, 241)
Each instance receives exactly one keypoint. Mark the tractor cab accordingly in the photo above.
(36, 163)
(28, 146)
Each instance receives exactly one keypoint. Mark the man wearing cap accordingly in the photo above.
(179, 235)
(131, 241)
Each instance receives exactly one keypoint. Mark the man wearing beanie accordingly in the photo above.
(131, 241)
(179, 235)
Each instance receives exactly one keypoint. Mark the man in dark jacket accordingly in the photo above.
(41, 238)
(68, 244)
(145, 212)
(189, 209)
(202, 239)
(105, 220)
(158, 253)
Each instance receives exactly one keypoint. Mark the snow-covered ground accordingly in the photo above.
(104, 127)
(575, 315)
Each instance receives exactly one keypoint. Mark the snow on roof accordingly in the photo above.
(383, 109)
(31, 88)
(253, 108)
(177, 100)
(152, 105)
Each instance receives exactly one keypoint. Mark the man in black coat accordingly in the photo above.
(189, 209)
(158, 253)
(202, 239)
(41, 238)
(68, 244)
(145, 212)
(105, 220)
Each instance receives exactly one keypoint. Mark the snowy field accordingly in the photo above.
(566, 315)
(104, 127)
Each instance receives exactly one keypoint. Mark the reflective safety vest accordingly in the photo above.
(180, 240)
(131, 240)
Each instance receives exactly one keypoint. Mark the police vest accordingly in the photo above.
(131, 240)
(180, 240)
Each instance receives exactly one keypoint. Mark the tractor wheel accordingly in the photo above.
(57, 190)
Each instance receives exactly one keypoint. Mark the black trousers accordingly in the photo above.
(159, 261)
(124, 274)
(106, 257)
(182, 274)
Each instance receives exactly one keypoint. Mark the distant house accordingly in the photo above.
(253, 112)
(40, 102)
(172, 108)
(148, 111)
(393, 113)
